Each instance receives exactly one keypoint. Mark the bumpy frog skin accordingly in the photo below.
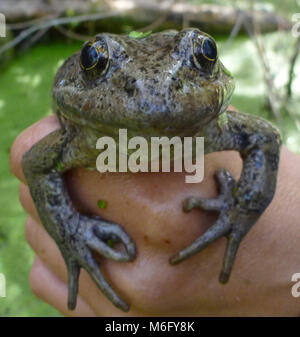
(166, 84)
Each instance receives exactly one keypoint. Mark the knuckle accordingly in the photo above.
(24, 196)
(29, 230)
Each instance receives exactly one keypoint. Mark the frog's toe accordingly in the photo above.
(99, 234)
(73, 276)
(226, 185)
(226, 182)
(233, 242)
(217, 230)
(89, 263)
(205, 204)
(94, 271)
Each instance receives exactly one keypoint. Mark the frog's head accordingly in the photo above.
(166, 83)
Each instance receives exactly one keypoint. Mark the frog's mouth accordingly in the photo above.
(228, 92)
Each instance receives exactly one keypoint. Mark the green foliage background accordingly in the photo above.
(25, 86)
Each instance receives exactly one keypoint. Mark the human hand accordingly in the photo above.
(149, 207)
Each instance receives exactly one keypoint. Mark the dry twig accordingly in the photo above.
(292, 68)
(273, 96)
(54, 23)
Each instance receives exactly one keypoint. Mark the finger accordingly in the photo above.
(49, 288)
(45, 247)
(25, 141)
(27, 202)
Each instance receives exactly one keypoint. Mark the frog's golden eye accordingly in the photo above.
(205, 53)
(94, 54)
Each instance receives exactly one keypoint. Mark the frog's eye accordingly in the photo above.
(205, 53)
(95, 54)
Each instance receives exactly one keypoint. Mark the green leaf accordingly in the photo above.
(59, 166)
(70, 12)
(102, 203)
(139, 35)
(227, 72)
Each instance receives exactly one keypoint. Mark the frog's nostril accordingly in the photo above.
(130, 87)
(177, 83)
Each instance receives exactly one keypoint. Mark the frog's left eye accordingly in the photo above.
(95, 55)
(205, 53)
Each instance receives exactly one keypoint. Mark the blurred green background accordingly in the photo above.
(25, 87)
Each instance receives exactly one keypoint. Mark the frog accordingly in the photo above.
(161, 84)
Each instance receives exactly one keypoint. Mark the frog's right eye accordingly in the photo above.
(205, 52)
(94, 54)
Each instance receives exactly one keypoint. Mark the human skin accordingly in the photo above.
(149, 207)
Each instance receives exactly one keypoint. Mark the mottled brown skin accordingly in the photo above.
(153, 87)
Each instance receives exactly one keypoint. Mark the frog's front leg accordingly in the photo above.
(76, 235)
(241, 203)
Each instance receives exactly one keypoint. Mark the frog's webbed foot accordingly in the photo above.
(229, 223)
(91, 235)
